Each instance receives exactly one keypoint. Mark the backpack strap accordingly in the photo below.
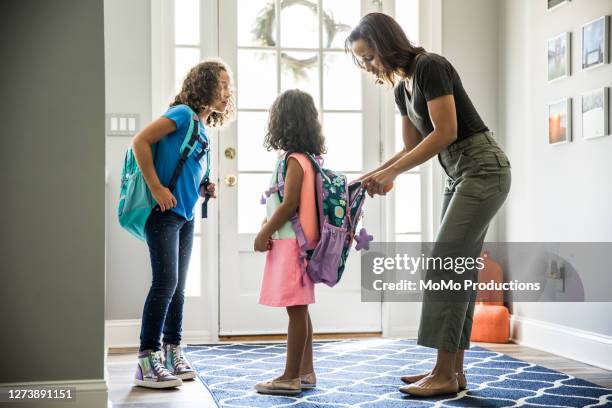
(187, 148)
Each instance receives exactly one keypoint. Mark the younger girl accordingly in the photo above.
(206, 93)
(293, 127)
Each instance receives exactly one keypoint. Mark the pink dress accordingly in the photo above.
(282, 284)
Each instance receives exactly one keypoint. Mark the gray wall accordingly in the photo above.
(127, 32)
(559, 193)
(52, 175)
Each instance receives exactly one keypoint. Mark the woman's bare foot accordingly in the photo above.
(411, 379)
(432, 385)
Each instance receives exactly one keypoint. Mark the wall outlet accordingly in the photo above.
(122, 124)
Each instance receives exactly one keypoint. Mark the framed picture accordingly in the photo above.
(559, 57)
(595, 113)
(553, 4)
(560, 121)
(595, 43)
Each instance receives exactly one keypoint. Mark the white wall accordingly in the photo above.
(127, 33)
(559, 193)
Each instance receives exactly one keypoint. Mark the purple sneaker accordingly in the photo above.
(151, 373)
(175, 362)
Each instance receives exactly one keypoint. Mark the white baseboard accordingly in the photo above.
(126, 333)
(403, 332)
(580, 345)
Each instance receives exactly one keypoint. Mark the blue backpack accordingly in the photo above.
(339, 207)
(135, 199)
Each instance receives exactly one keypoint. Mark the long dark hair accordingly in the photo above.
(386, 37)
(293, 124)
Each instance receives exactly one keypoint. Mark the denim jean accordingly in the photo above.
(170, 239)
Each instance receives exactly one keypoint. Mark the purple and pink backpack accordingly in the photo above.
(339, 208)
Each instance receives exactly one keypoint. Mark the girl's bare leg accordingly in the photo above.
(297, 335)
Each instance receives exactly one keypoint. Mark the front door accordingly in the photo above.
(273, 46)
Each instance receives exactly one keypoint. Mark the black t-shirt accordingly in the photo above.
(434, 76)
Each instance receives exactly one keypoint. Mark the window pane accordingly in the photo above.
(256, 80)
(256, 23)
(251, 153)
(342, 82)
(399, 141)
(301, 70)
(299, 25)
(343, 137)
(407, 195)
(185, 59)
(194, 274)
(187, 22)
(250, 210)
(407, 15)
(340, 17)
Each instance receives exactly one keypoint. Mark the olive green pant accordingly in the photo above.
(477, 184)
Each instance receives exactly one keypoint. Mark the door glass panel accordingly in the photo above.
(187, 22)
(252, 156)
(338, 19)
(256, 23)
(184, 60)
(256, 79)
(299, 24)
(343, 138)
(301, 70)
(341, 82)
(407, 193)
(407, 15)
(194, 275)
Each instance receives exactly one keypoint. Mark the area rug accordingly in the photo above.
(366, 373)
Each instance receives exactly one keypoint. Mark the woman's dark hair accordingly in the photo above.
(293, 124)
(200, 89)
(386, 37)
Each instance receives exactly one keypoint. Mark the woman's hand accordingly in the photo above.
(380, 182)
(262, 243)
(164, 197)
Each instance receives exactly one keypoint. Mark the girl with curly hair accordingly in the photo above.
(293, 129)
(206, 96)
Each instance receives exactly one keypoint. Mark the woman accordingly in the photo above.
(205, 96)
(438, 118)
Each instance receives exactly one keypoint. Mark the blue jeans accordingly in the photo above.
(170, 239)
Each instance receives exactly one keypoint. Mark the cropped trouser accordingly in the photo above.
(477, 184)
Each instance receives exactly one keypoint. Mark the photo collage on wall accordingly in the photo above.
(594, 41)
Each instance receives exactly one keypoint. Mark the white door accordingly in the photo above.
(306, 51)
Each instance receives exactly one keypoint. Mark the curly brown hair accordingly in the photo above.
(200, 89)
(293, 124)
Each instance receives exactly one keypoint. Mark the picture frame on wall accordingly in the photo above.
(559, 57)
(595, 111)
(560, 121)
(555, 4)
(595, 46)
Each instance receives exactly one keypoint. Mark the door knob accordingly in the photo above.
(230, 153)
(231, 180)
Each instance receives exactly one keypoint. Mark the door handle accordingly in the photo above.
(230, 153)
(231, 180)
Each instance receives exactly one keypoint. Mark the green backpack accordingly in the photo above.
(135, 199)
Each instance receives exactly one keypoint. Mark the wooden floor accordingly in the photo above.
(121, 365)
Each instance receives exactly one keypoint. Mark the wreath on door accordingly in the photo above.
(263, 33)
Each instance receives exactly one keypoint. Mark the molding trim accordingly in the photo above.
(580, 345)
(126, 333)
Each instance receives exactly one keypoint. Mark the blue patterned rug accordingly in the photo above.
(366, 373)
